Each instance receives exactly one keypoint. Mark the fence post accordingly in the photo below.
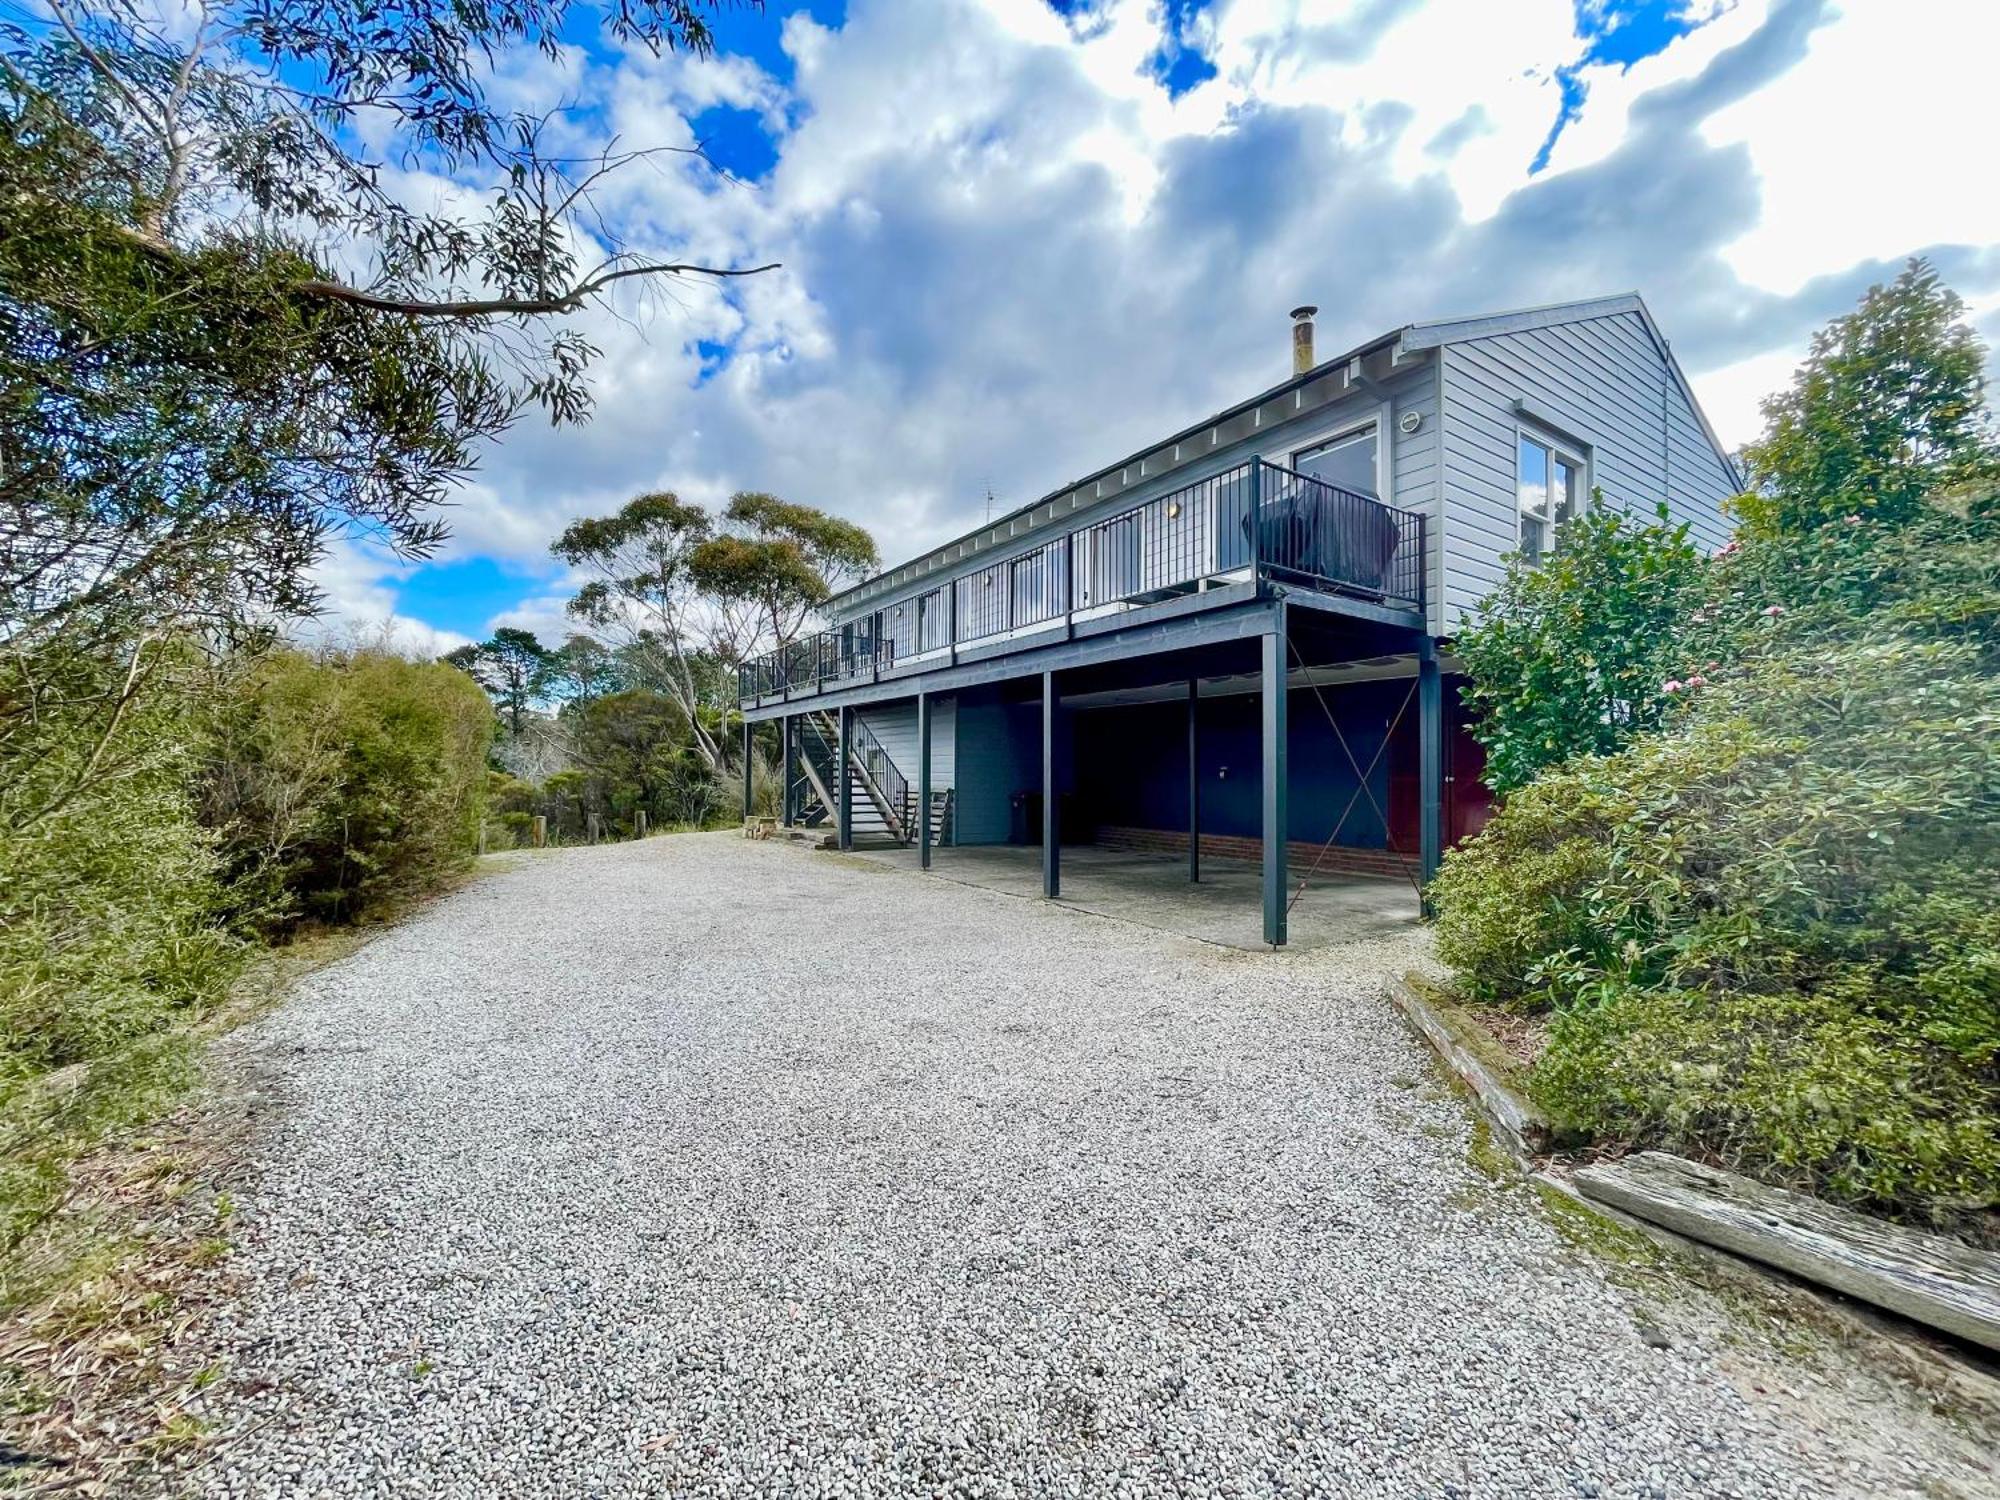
(590, 825)
(639, 824)
(541, 833)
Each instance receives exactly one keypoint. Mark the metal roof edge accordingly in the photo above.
(1456, 330)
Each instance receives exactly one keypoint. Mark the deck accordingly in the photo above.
(1224, 544)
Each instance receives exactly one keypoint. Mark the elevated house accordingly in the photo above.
(1237, 640)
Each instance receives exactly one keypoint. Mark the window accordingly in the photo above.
(1551, 492)
(1348, 460)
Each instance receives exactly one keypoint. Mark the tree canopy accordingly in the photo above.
(230, 329)
(513, 666)
(684, 597)
(1888, 408)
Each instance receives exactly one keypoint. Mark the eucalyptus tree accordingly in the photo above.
(642, 593)
(271, 271)
(775, 563)
(684, 597)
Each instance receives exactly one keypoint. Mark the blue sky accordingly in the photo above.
(1020, 238)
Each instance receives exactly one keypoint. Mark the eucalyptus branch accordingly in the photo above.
(479, 307)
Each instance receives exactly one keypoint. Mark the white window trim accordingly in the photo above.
(1380, 418)
(1576, 451)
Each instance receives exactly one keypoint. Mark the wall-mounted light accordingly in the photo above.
(1174, 510)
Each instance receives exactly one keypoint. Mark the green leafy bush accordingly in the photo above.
(1768, 933)
(1570, 656)
(348, 783)
(144, 846)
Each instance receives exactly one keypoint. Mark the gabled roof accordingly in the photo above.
(1410, 339)
(1443, 331)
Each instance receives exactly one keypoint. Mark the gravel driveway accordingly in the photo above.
(705, 1167)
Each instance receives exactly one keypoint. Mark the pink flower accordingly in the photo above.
(1671, 685)
(1711, 666)
(1697, 681)
(1855, 519)
(1773, 610)
(1728, 549)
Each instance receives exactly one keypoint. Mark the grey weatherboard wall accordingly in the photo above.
(895, 726)
(1595, 374)
(1603, 383)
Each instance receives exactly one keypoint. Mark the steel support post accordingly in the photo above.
(1275, 774)
(1051, 798)
(1430, 756)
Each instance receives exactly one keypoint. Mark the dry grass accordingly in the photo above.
(100, 1382)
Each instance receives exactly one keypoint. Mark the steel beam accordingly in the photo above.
(1194, 779)
(1274, 785)
(1430, 757)
(924, 780)
(844, 793)
(1051, 799)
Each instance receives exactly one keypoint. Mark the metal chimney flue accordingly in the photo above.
(1302, 339)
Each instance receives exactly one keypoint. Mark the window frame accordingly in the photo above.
(1320, 441)
(1562, 448)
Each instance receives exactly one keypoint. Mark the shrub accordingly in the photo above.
(111, 918)
(1804, 1087)
(348, 783)
(1768, 932)
(1570, 656)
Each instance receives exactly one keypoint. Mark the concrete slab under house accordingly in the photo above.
(1228, 656)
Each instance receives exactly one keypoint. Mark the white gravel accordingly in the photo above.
(706, 1167)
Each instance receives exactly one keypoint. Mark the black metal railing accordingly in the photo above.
(1338, 541)
(1257, 519)
(897, 797)
(816, 749)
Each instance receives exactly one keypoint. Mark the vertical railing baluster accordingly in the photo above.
(1256, 523)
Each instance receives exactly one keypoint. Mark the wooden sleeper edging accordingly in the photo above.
(1523, 1128)
(1924, 1277)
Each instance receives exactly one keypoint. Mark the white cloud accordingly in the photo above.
(1876, 142)
(360, 605)
(1010, 257)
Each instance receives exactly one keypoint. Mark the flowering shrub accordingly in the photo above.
(1768, 933)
